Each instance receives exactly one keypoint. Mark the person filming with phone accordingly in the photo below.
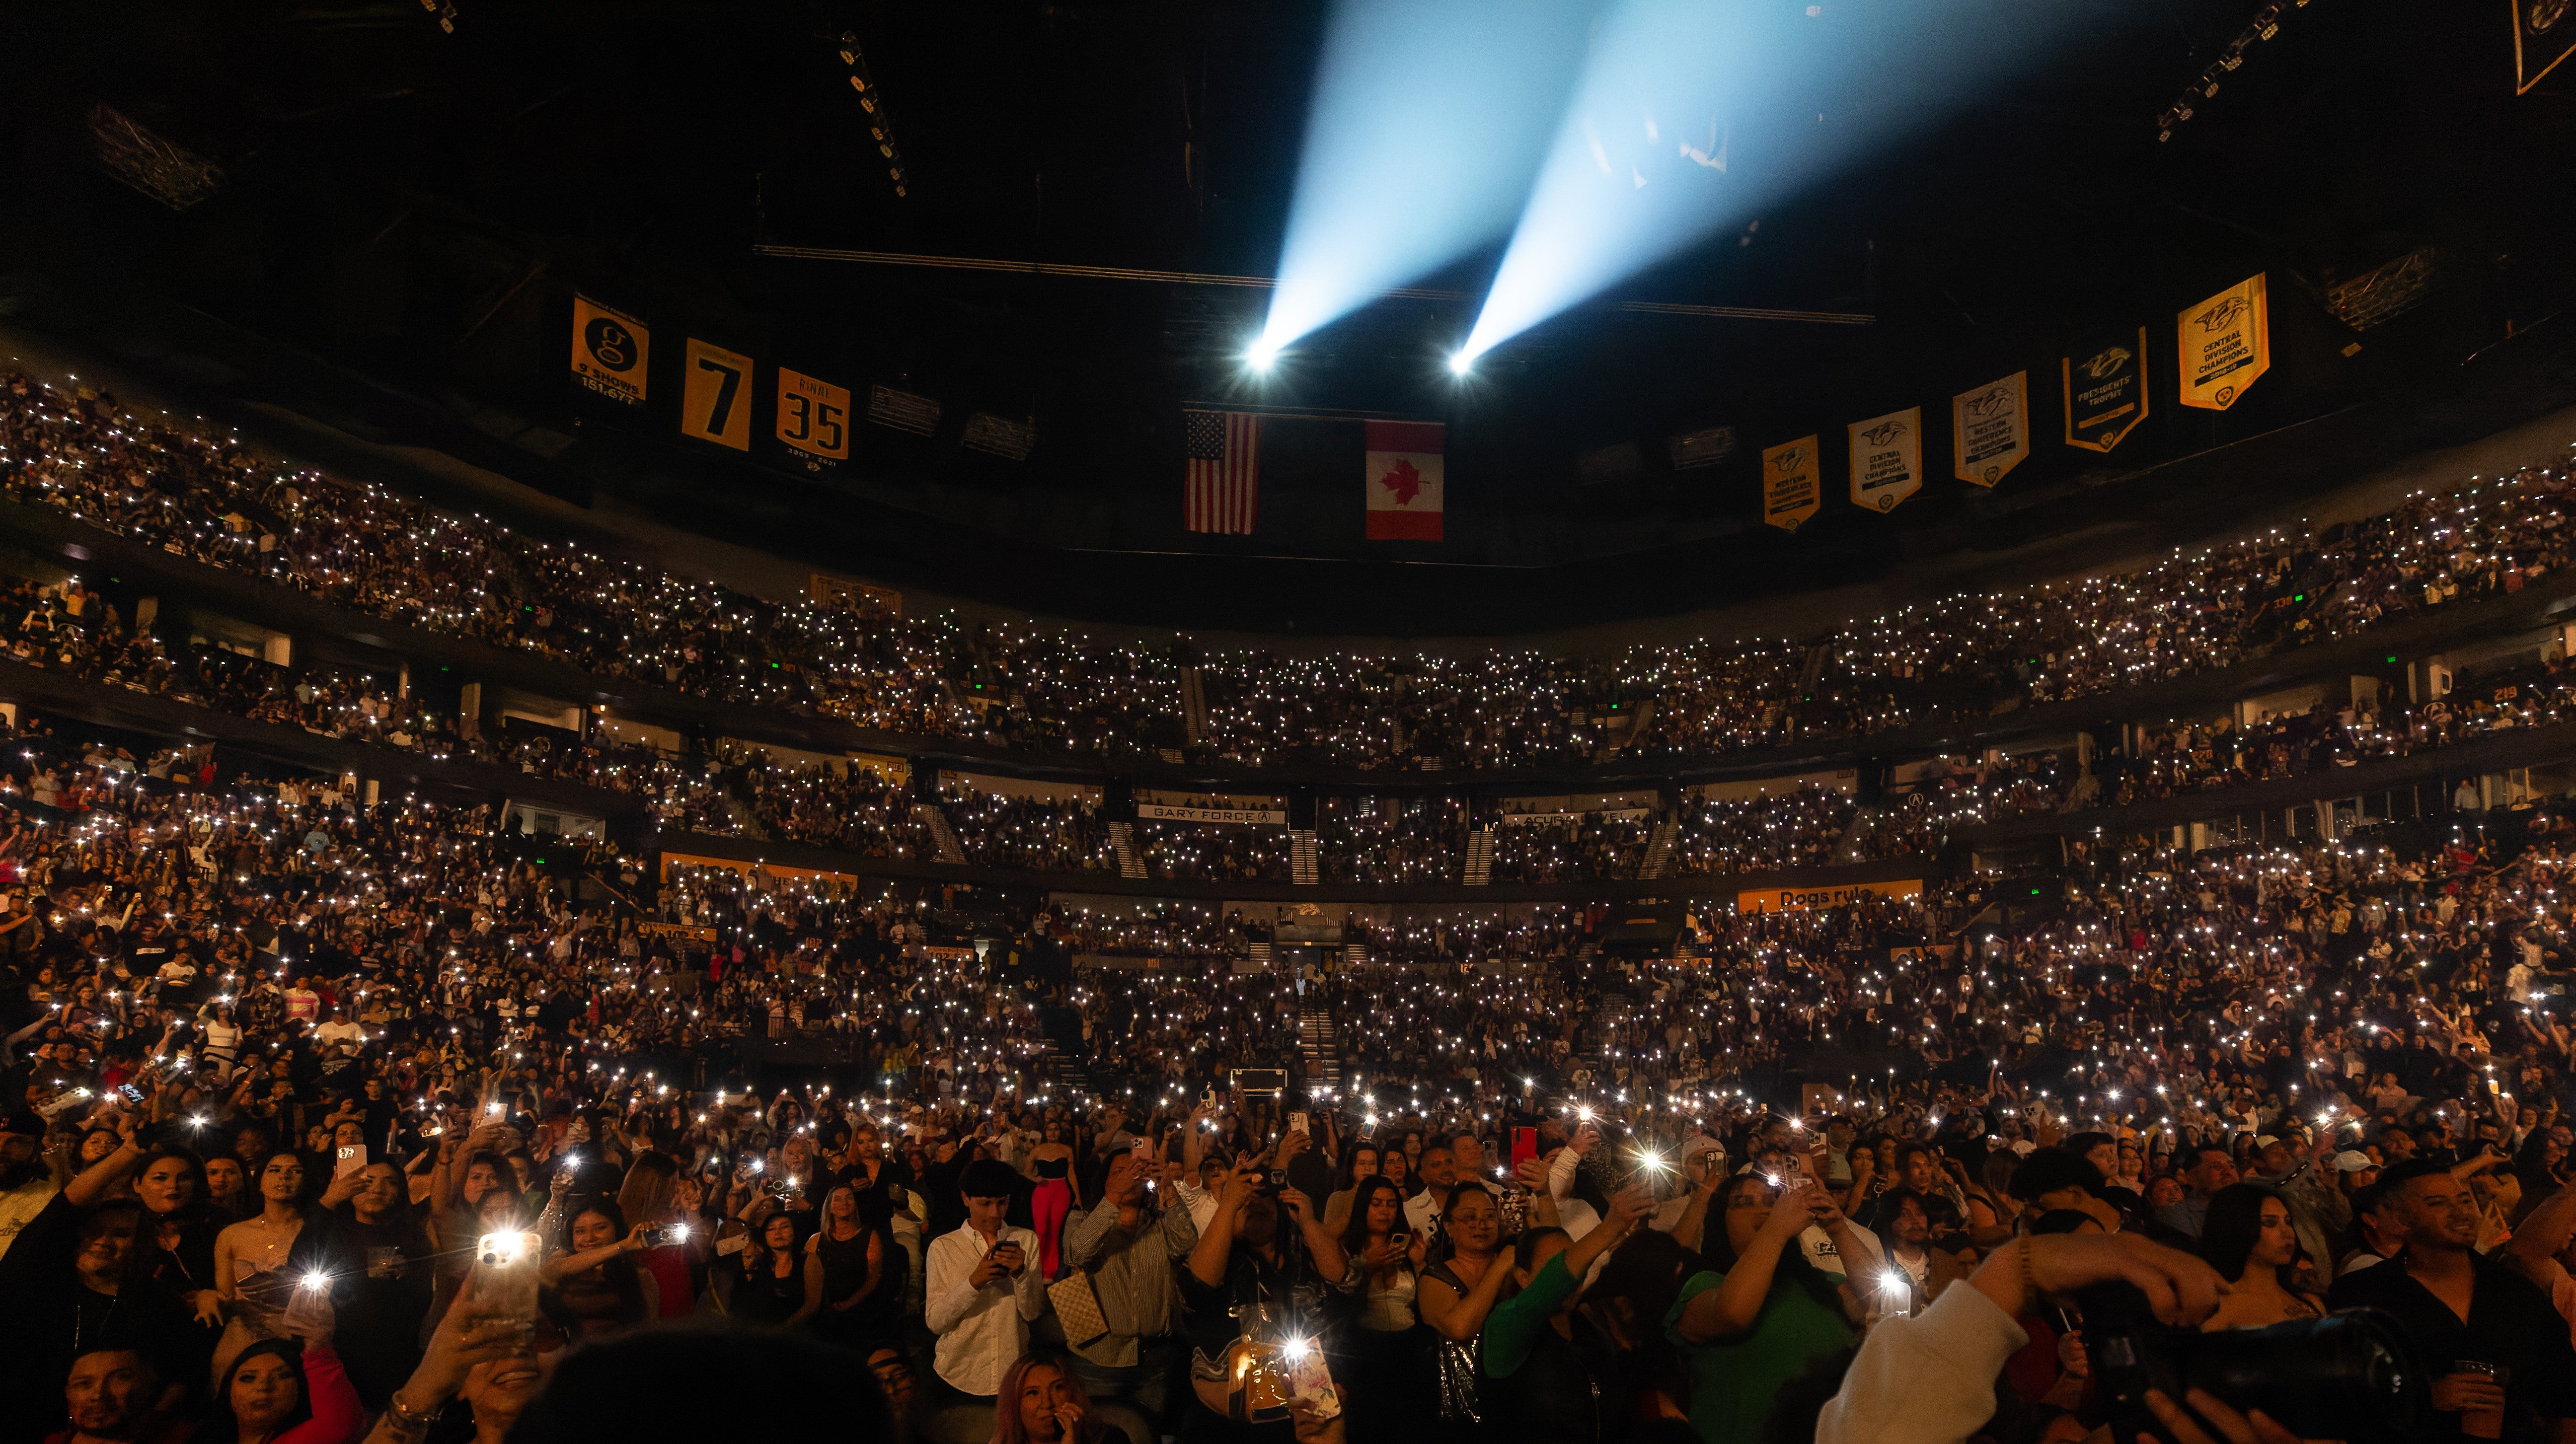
(984, 1291)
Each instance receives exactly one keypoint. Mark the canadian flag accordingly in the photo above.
(1404, 480)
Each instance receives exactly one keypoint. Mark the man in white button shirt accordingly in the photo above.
(983, 1291)
(1439, 1173)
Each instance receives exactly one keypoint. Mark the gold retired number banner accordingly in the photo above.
(1789, 483)
(813, 418)
(2225, 344)
(1887, 459)
(1990, 429)
(715, 396)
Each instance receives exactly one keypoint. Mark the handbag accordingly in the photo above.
(1077, 1307)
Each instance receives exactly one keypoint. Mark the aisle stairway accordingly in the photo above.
(1321, 1045)
(1301, 856)
(942, 836)
(1659, 851)
(1122, 841)
(1480, 857)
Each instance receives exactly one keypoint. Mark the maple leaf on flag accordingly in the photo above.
(1404, 481)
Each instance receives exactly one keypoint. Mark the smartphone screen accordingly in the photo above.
(1296, 1122)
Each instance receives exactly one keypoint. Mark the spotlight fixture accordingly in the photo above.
(1461, 362)
(880, 119)
(1260, 354)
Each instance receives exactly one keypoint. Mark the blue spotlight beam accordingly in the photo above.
(1693, 114)
(1427, 119)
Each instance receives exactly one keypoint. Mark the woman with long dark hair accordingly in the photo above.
(282, 1391)
(1359, 1164)
(251, 1256)
(597, 1281)
(2249, 1238)
(1381, 1375)
(771, 1289)
(1764, 1313)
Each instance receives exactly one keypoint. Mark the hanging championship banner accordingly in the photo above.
(813, 419)
(1790, 481)
(2106, 390)
(608, 351)
(1990, 429)
(1887, 459)
(2542, 37)
(715, 396)
(2226, 343)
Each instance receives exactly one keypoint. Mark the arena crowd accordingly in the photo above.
(181, 487)
(280, 1065)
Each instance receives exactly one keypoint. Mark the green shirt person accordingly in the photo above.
(1746, 1331)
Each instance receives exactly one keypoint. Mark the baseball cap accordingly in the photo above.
(2352, 1160)
(2266, 1140)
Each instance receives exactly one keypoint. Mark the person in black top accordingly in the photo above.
(1251, 1277)
(2490, 1340)
(768, 1286)
(73, 1280)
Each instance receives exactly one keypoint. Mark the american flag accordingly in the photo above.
(1221, 482)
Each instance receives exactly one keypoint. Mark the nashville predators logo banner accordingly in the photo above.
(1887, 459)
(2226, 343)
(1790, 480)
(609, 349)
(2106, 390)
(1990, 429)
(2542, 37)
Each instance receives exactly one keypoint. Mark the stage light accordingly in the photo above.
(1461, 362)
(1690, 118)
(1427, 119)
(1261, 354)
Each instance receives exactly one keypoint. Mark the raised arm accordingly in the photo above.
(1729, 1310)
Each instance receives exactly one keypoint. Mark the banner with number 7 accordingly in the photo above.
(715, 396)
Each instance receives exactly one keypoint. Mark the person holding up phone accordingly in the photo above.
(984, 1291)
(1749, 1327)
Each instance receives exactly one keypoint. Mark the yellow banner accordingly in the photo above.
(2225, 345)
(1788, 899)
(1990, 429)
(690, 931)
(715, 396)
(1790, 482)
(609, 349)
(1887, 459)
(671, 860)
(813, 418)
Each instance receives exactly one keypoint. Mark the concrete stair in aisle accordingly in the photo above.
(1122, 841)
(1480, 858)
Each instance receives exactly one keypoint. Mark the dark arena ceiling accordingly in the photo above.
(377, 216)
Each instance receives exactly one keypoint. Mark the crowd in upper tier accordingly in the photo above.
(1042, 690)
(736, 789)
(276, 1066)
